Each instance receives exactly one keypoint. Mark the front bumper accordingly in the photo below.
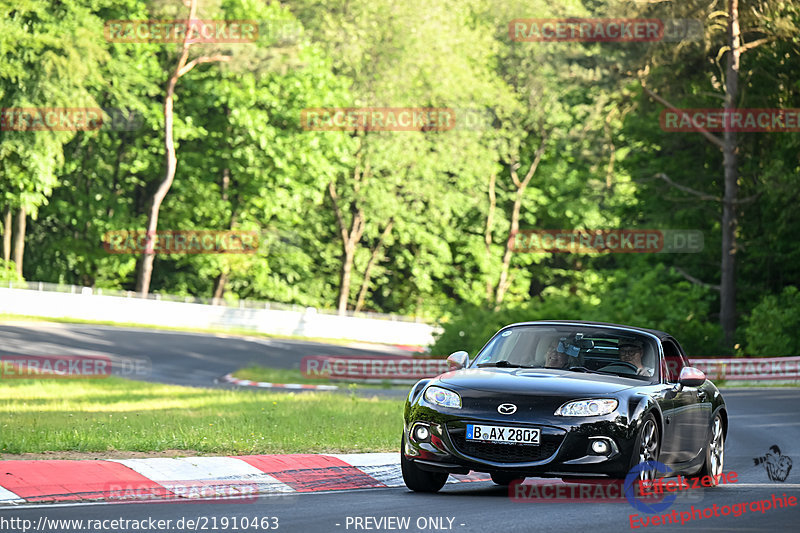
(565, 446)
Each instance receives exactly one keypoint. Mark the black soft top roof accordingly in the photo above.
(660, 334)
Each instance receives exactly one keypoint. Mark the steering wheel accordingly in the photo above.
(621, 363)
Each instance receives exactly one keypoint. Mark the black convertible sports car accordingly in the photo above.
(562, 399)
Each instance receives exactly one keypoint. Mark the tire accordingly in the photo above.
(646, 448)
(417, 479)
(505, 479)
(715, 452)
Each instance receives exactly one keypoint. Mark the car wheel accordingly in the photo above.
(506, 479)
(715, 452)
(417, 479)
(646, 448)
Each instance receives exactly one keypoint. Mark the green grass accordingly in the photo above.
(278, 375)
(722, 384)
(116, 414)
(283, 375)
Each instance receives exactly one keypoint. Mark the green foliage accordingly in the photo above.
(245, 162)
(655, 300)
(8, 271)
(773, 325)
(63, 49)
(474, 326)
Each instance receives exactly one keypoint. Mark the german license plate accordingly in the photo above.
(505, 434)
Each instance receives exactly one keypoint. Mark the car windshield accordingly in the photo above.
(603, 350)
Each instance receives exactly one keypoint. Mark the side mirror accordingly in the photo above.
(459, 359)
(691, 377)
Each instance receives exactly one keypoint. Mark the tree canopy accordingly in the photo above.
(561, 134)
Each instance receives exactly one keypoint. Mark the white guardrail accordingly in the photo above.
(85, 304)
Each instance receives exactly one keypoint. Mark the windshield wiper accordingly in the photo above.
(589, 370)
(504, 364)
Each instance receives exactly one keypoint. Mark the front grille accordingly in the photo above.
(505, 453)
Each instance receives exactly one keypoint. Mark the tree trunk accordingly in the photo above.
(349, 241)
(7, 235)
(219, 287)
(362, 294)
(727, 309)
(504, 283)
(344, 279)
(488, 235)
(222, 279)
(19, 240)
(146, 264)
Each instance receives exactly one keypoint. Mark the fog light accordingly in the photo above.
(600, 447)
(421, 433)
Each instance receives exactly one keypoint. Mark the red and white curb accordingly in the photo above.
(267, 385)
(238, 479)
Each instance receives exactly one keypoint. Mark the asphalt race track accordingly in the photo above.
(192, 359)
(759, 419)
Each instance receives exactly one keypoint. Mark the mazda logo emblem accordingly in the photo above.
(506, 408)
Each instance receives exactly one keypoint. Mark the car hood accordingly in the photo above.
(536, 381)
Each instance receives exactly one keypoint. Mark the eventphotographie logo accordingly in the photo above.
(777, 465)
(633, 482)
(715, 511)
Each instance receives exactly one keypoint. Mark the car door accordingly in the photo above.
(683, 414)
(701, 411)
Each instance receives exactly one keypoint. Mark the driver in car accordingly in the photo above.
(632, 353)
(554, 358)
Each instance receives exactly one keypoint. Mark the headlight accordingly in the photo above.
(444, 397)
(587, 408)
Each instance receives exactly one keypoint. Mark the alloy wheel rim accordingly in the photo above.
(648, 448)
(716, 448)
